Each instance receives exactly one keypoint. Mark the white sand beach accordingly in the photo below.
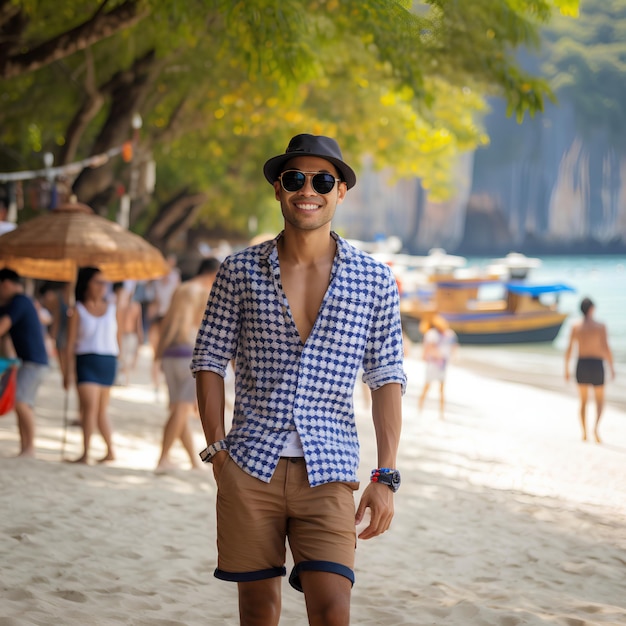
(505, 517)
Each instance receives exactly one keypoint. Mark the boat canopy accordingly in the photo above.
(537, 290)
(518, 287)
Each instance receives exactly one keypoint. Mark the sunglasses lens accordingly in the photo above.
(323, 183)
(292, 180)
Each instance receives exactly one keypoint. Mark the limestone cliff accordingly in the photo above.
(539, 186)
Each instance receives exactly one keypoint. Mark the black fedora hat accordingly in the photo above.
(310, 145)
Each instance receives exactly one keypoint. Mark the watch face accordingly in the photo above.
(395, 480)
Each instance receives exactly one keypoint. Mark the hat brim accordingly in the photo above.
(274, 166)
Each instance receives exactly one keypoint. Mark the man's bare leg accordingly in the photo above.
(26, 427)
(174, 430)
(583, 392)
(327, 598)
(599, 395)
(186, 438)
(260, 602)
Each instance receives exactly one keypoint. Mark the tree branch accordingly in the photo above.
(98, 27)
(13, 23)
(174, 215)
(8, 10)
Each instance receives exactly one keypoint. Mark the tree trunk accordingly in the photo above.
(128, 90)
(174, 217)
(89, 108)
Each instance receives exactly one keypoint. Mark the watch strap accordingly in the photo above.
(386, 476)
(210, 451)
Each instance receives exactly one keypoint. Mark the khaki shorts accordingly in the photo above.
(254, 519)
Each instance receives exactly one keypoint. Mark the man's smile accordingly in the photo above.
(306, 206)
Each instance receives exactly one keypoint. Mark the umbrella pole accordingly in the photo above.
(71, 303)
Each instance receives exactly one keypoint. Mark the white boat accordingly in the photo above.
(514, 265)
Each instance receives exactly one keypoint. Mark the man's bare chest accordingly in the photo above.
(305, 289)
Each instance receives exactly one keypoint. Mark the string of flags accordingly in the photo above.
(97, 160)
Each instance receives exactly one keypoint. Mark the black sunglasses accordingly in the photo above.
(294, 180)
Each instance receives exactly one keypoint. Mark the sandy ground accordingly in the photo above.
(505, 517)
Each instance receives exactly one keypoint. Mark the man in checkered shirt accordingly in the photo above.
(300, 315)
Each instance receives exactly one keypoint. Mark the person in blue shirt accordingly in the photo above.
(300, 316)
(19, 318)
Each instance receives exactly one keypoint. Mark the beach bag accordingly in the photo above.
(8, 384)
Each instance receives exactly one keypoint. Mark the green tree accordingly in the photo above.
(586, 64)
(222, 84)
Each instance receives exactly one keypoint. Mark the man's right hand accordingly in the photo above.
(218, 462)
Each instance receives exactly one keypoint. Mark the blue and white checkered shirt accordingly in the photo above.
(282, 385)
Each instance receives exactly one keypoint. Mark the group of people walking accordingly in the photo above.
(87, 333)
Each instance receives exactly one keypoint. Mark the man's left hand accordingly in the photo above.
(379, 500)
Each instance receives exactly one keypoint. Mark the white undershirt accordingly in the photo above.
(293, 445)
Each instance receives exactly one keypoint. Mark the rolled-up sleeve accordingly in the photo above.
(216, 341)
(384, 355)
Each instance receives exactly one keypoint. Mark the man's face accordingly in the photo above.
(306, 209)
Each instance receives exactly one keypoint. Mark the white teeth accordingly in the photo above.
(307, 207)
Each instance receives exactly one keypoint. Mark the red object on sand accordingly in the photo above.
(8, 384)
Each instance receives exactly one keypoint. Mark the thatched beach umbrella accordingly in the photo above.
(53, 246)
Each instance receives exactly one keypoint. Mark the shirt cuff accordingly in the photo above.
(206, 365)
(377, 378)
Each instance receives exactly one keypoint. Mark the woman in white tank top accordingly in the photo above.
(92, 351)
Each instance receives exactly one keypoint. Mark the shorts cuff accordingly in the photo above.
(318, 566)
(246, 577)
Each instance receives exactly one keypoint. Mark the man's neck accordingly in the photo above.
(306, 247)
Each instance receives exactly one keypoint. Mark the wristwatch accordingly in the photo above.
(386, 476)
(209, 452)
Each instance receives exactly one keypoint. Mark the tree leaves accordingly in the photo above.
(226, 83)
(586, 63)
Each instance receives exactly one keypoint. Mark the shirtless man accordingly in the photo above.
(300, 314)
(164, 289)
(593, 349)
(173, 351)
